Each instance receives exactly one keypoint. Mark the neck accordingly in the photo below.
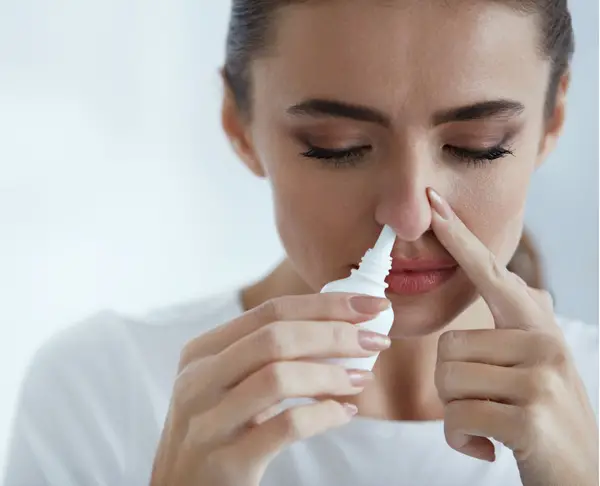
(403, 388)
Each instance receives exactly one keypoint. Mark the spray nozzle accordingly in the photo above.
(376, 262)
(385, 242)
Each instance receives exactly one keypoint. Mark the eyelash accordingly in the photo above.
(340, 157)
(479, 158)
(351, 157)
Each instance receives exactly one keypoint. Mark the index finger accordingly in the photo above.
(499, 287)
(335, 306)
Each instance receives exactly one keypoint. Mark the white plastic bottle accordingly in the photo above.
(369, 279)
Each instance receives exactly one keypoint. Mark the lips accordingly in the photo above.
(413, 277)
(421, 265)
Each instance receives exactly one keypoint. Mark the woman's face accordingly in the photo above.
(359, 106)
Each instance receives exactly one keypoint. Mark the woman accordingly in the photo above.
(430, 117)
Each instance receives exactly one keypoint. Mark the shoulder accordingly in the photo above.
(97, 392)
(582, 340)
(112, 356)
(109, 338)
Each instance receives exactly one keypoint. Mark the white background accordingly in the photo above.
(117, 188)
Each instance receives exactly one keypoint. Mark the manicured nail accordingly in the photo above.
(479, 454)
(372, 341)
(350, 409)
(440, 205)
(359, 378)
(365, 304)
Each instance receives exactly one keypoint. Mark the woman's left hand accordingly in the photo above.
(516, 383)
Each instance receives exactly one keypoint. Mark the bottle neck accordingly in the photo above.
(375, 267)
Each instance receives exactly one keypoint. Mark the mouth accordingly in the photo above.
(414, 277)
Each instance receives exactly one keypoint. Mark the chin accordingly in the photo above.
(431, 312)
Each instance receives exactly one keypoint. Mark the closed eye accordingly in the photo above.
(479, 156)
(345, 156)
(353, 155)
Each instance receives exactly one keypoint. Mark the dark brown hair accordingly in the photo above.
(527, 262)
(250, 35)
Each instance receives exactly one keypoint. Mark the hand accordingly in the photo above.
(221, 429)
(516, 383)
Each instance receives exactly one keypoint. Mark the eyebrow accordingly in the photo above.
(337, 109)
(479, 111)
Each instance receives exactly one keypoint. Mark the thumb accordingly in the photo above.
(477, 447)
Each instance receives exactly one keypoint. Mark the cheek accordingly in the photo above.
(492, 206)
(320, 212)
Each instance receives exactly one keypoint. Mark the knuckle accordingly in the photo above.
(273, 309)
(291, 424)
(200, 347)
(341, 335)
(543, 297)
(551, 349)
(526, 420)
(181, 389)
(191, 383)
(274, 341)
(543, 382)
(448, 343)
(274, 379)
(444, 374)
(187, 355)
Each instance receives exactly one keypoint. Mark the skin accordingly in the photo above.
(483, 352)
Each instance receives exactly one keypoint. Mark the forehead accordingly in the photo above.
(402, 52)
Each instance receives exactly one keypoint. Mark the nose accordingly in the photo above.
(404, 204)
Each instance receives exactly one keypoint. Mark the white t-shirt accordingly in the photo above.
(95, 398)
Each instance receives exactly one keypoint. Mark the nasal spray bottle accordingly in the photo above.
(368, 279)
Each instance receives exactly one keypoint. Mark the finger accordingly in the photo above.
(262, 443)
(282, 380)
(347, 307)
(504, 293)
(464, 419)
(502, 347)
(200, 385)
(476, 381)
(290, 340)
(499, 347)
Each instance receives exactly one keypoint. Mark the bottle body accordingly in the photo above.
(360, 283)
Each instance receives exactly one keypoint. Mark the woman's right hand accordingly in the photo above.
(240, 371)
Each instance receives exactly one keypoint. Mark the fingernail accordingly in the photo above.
(350, 409)
(479, 454)
(439, 204)
(365, 304)
(372, 341)
(359, 378)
